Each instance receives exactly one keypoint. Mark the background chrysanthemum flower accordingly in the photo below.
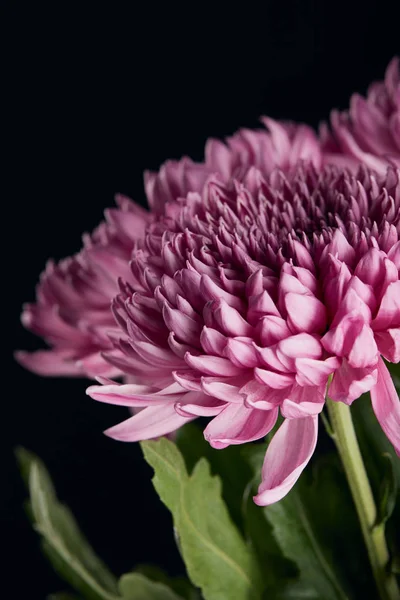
(251, 295)
(369, 132)
(72, 310)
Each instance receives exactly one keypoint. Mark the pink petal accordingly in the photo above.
(261, 305)
(272, 329)
(305, 146)
(354, 339)
(149, 423)
(241, 353)
(212, 365)
(131, 394)
(350, 383)
(394, 254)
(277, 381)
(213, 341)
(370, 268)
(237, 424)
(50, 363)
(288, 453)
(186, 329)
(222, 390)
(266, 398)
(314, 372)
(386, 405)
(389, 311)
(340, 248)
(189, 380)
(302, 345)
(212, 291)
(364, 351)
(303, 402)
(305, 313)
(269, 358)
(218, 157)
(388, 343)
(280, 138)
(195, 404)
(230, 320)
(160, 357)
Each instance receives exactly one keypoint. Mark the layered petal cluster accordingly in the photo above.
(369, 132)
(280, 145)
(72, 310)
(249, 296)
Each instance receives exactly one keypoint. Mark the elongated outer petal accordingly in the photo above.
(212, 365)
(50, 363)
(237, 424)
(149, 423)
(131, 394)
(223, 391)
(288, 453)
(195, 404)
(386, 405)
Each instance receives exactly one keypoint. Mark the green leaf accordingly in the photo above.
(180, 585)
(229, 465)
(316, 528)
(63, 543)
(135, 586)
(276, 568)
(388, 492)
(217, 558)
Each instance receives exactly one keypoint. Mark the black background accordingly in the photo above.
(92, 98)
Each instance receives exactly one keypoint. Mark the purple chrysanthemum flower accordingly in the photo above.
(72, 309)
(369, 132)
(250, 296)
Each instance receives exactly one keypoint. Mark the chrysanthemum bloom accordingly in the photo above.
(251, 296)
(369, 133)
(72, 311)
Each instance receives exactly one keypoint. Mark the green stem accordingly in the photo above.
(345, 439)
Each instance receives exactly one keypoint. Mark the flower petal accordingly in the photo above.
(237, 424)
(349, 383)
(314, 372)
(389, 310)
(149, 423)
(51, 363)
(212, 365)
(288, 453)
(388, 343)
(195, 404)
(386, 405)
(303, 402)
(132, 395)
(305, 313)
